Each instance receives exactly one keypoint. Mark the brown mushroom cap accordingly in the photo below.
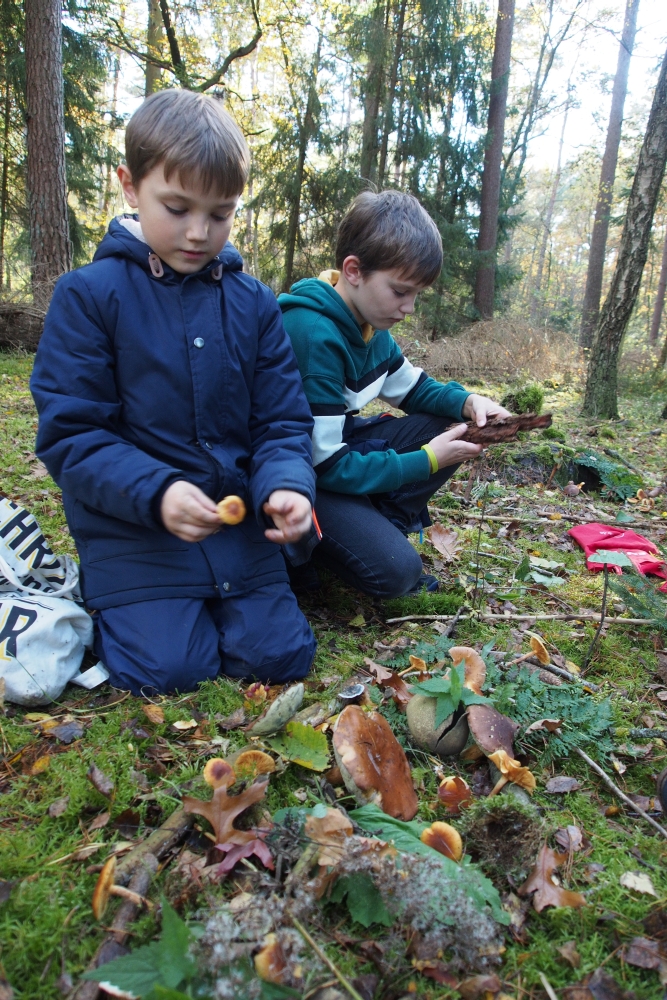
(231, 510)
(443, 838)
(490, 730)
(218, 773)
(455, 793)
(475, 667)
(102, 889)
(270, 962)
(250, 763)
(373, 764)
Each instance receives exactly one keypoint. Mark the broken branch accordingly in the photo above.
(323, 957)
(620, 794)
(592, 617)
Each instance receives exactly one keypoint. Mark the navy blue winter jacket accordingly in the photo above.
(141, 381)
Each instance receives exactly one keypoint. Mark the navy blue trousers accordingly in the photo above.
(173, 644)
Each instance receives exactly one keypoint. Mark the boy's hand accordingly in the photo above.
(188, 513)
(449, 450)
(291, 515)
(480, 408)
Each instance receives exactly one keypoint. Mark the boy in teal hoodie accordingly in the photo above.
(376, 475)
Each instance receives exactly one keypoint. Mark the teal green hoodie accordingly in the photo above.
(343, 370)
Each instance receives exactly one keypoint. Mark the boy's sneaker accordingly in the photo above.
(425, 582)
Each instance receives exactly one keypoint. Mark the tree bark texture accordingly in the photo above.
(593, 290)
(154, 37)
(374, 89)
(535, 304)
(46, 174)
(601, 385)
(659, 304)
(490, 197)
(4, 181)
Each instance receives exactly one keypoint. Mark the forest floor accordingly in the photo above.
(57, 827)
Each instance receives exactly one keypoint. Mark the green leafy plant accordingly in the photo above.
(641, 596)
(364, 901)
(156, 970)
(449, 691)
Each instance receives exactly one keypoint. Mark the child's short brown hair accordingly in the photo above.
(391, 231)
(190, 135)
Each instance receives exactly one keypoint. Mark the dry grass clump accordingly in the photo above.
(500, 349)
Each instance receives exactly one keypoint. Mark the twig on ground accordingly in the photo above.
(454, 622)
(619, 794)
(548, 988)
(648, 734)
(619, 458)
(591, 648)
(554, 670)
(544, 519)
(157, 844)
(323, 957)
(593, 617)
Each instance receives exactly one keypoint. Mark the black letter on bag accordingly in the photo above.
(8, 633)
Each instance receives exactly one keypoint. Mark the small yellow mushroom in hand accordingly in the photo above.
(231, 510)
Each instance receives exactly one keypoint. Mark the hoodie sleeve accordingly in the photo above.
(338, 469)
(79, 410)
(281, 423)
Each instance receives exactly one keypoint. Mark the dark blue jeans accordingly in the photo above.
(364, 538)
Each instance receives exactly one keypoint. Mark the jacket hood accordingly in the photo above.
(125, 239)
(322, 298)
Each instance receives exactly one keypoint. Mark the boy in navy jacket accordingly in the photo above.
(164, 382)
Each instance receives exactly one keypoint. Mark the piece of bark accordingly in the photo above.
(113, 945)
(505, 429)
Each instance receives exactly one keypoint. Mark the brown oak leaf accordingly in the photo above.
(540, 882)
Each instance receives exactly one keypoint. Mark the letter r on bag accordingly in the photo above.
(16, 621)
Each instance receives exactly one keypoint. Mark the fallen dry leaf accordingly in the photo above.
(40, 765)
(477, 987)
(455, 794)
(153, 713)
(445, 540)
(99, 822)
(569, 952)
(598, 986)
(401, 693)
(560, 784)
(330, 832)
(540, 882)
(432, 968)
(99, 780)
(233, 721)
(639, 882)
(68, 731)
(58, 807)
(550, 725)
(643, 954)
(184, 724)
(518, 913)
(570, 839)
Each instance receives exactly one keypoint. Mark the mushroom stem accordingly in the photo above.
(134, 897)
(500, 784)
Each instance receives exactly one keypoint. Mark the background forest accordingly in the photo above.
(334, 96)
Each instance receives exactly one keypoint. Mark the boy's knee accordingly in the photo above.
(397, 576)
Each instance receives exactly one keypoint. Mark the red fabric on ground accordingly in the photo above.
(645, 555)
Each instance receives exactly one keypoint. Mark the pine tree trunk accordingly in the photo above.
(660, 296)
(391, 94)
(601, 385)
(593, 290)
(373, 93)
(548, 218)
(4, 183)
(154, 37)
(490, 196)
(46, 174)
(305, 133)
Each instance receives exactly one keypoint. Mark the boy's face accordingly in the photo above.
(185, 226)
(381, 298)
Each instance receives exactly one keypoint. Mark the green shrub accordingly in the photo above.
(524, 399)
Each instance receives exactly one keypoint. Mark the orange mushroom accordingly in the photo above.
(218, 773)
(443, 838)
(105, 887)
(270, 962)
(250, 763)
(511, 770)
(231, 510)
(455, 794)
(475, 667)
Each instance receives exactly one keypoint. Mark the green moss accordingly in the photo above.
(527, 398)
(553, 434)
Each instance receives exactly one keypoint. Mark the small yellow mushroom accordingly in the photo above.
(105, 888)
(511, 770)
(443, 838)
(231, 510)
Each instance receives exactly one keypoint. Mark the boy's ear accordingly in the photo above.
(351, 270)
(129, 190)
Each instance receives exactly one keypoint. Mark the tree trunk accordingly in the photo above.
(46, 174)
(154, 37)
(660, 296)
(391, 94)
(490, 196)
(593, 291)
(4, 183)
(548, 218)
(108, 183)
(373, 93)
(601, 385)
(305, 132)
